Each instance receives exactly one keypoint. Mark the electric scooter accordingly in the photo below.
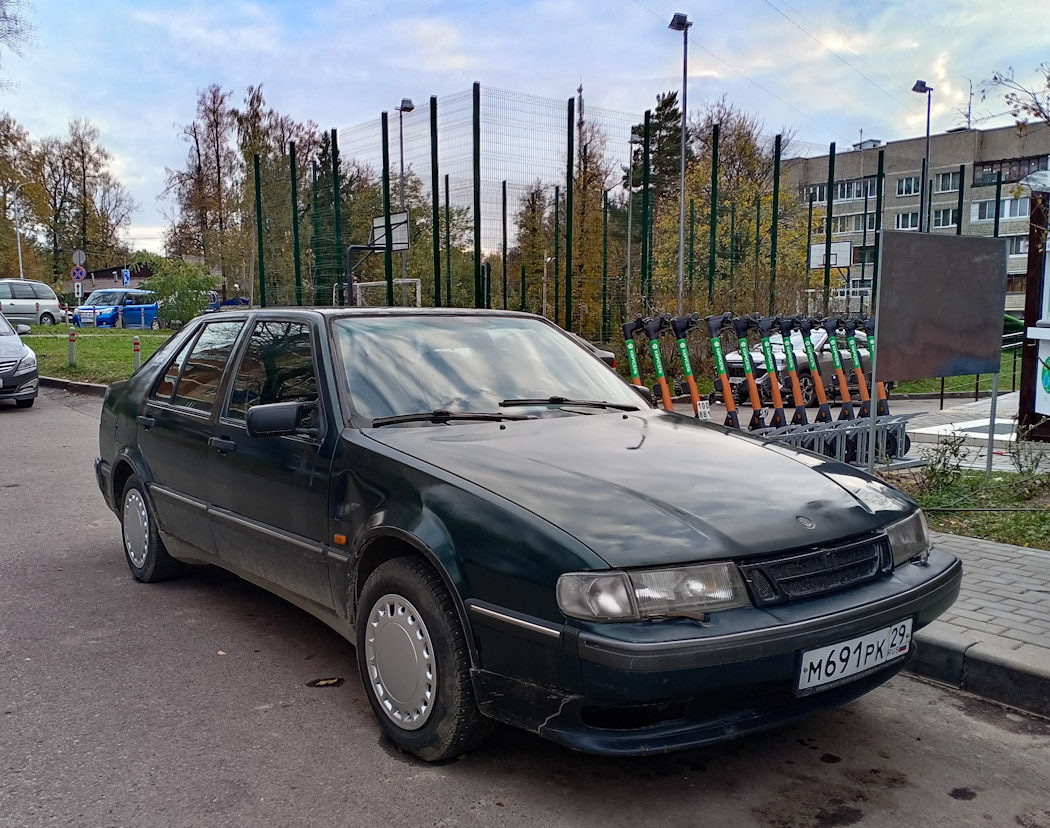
(715, 324)
(630, 330)
(681, 325)
(850, 324)
(787, 325)
(805, 326)
(654, 326)
(765, 326)
(742, 324)
(832, 325)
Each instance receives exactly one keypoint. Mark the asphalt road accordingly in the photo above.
(185, 704)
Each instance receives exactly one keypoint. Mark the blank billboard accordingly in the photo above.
(940, 305)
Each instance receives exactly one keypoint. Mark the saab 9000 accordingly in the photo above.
(507, 531)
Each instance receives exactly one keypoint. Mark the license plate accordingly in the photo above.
(848, 660)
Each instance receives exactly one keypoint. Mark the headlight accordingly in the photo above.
(27, 363)
(649, 593)
(909, 538)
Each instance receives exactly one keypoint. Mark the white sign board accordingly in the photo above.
(78, 289)
(841, 255)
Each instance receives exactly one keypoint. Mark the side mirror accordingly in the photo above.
(644, 393)
(278, 419)
(22, 330)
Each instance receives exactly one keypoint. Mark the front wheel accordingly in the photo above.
(155, 325)
(809, 392)
(413, 658)
(144, 551)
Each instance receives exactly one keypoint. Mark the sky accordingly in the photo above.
(821, 69)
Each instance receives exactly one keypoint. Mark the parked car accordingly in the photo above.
(18, 370)
(506, 530)
(118, 308)
(30, 302)
(822, 347)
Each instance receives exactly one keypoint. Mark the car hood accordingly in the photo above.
(652, 488)
(11, 347)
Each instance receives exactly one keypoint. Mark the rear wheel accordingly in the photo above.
(809, 392)
(47, 319)
(413, 658)
(144, 551)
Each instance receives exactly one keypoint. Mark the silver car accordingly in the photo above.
(33, 303)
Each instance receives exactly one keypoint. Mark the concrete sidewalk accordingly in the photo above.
(995, 641)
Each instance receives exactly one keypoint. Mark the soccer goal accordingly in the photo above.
(373, 294)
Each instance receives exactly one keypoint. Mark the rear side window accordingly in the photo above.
(20, 290)
(192, 378)
(277, 366)
(44, 292)
(5, 291)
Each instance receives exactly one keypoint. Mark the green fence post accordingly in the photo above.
(557, 257)
(388, 241)
(692, 238)
(568, 215)
(962, 185)
(773, 227)
(479, 298)
(605, 266)
(827, 229)
(523, 288)
(435, 211)
(809, 245)
(998, 201)
(295, 225)
(338, 214)
(259, 233)
(319, 293)
(880, 178)
(448, 248)
(504, 245)
(714, 216)
(646, 139)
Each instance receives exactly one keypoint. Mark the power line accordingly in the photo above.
(903, 102)
(746, 77)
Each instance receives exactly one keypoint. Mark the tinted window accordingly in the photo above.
(199, 379)
(5, 291)
(104, 298)
(277, 366)
(44, 292)
(166, 386)
(20, 290)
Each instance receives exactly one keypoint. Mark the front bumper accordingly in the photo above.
(24, 386)
(660, 686)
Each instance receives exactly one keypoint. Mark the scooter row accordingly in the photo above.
(840, 438)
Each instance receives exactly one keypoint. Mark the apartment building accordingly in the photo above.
(965, 165)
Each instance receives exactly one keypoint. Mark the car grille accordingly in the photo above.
(816, 571)
(7, 365)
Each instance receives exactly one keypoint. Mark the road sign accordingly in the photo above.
(79, 257)
(78, 289)
(78, 273)
(127, 277)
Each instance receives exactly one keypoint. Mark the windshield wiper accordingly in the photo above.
(441, 416)
(566, 401)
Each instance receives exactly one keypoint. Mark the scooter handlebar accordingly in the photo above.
(656, 325)
(681, 325)
(717, 322)
(634, 326)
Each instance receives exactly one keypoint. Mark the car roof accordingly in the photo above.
(23, 281)
(384, 311)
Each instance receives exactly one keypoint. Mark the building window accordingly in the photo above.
(908, 186)
(858, 222)
(908, 221)
(947, 217)
(947, 182)
(819, 193)
(1013, 169)
(841, 224)
(863, 254)
(1010, 208)
(1017, 245)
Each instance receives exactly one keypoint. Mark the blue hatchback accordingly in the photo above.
(118, 308)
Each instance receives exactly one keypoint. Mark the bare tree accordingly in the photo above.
(1024, 103)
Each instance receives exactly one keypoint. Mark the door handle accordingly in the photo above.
(146, 422)
(222, 444)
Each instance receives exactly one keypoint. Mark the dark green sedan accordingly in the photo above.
(509, 532)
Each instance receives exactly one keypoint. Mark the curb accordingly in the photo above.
(73, 387)
(1019, 678)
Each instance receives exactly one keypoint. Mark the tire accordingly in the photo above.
(410, 642)
(808, 389)
(155, 325)
(25, 403)
(144, 551)
(47, 319)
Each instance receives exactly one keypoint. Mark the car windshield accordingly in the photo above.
(411, 364)
(5, 327)
(777, 341)
(103, 297)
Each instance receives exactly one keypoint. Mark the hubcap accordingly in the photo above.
(400, 661)
(136, 528)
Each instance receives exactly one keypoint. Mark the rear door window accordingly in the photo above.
(44, 292)
(195, 373)
(20, 290)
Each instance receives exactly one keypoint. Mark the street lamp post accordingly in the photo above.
(406, 106)
(18, 227)
(681, 23)
(921, 87)
(634, 141)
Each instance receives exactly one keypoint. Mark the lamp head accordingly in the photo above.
(406, 105)
(921, 87)
(679, 22)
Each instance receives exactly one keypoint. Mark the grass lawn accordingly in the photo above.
(1025, 499)
(967, 383)
(102, 356)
